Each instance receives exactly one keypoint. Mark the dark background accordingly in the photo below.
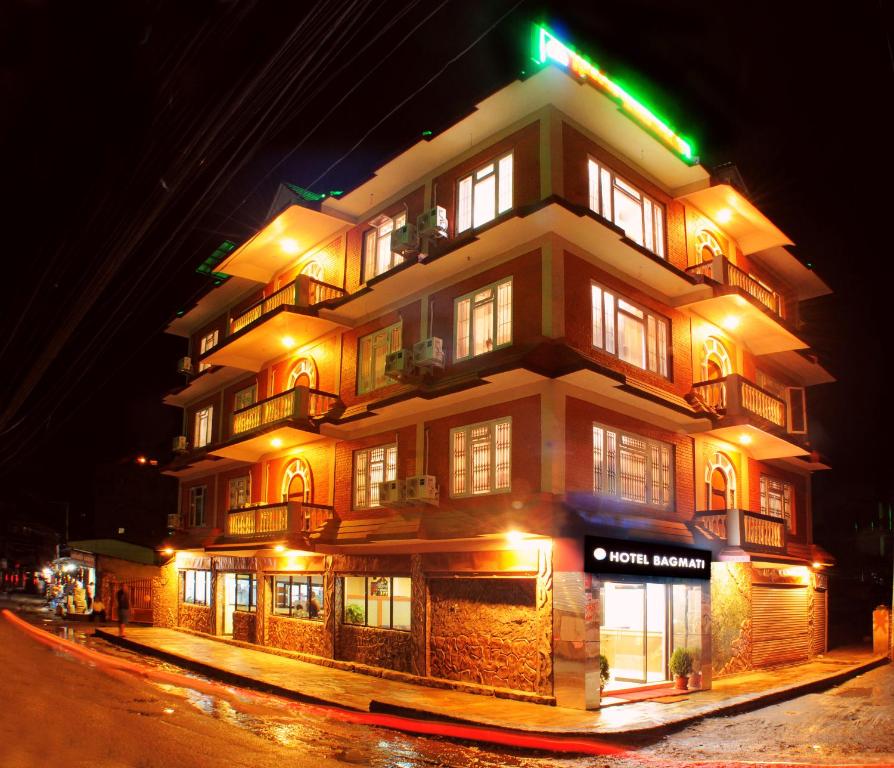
(138, 135)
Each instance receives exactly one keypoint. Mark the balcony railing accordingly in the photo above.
(734, 395)
(305, 292)
(281, 518)
(299, 404)
(749, 530)
(722, 271)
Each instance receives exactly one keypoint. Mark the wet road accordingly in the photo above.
(850, 724)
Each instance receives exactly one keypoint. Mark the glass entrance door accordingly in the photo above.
(633, 635)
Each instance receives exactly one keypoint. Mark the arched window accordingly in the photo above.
(707, 247)
(304, 372)
(313, 269)
(298, 482)
(720, 483)
(715, 360)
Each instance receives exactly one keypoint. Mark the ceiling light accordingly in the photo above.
(515, 537)
(731, 322)
(724, 216)
(276, 442)
(289, 245)
(168, 551)
(288, 342)
(745, 439)
(279, 548)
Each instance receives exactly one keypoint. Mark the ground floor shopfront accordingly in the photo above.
(530, 620)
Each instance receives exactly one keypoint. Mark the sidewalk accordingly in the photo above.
(323, 685)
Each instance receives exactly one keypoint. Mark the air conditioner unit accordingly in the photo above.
(184, 365)
(433, 223)
(404, 240)
(429, 353)
(399, 363)
(391, 493)
(180, 444)
(422, 488)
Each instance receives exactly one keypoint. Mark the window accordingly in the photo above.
(777, 500)
(770, 384)
(373, 350)
(207, 343)
(246, 592)
(197, 496)
(641, 217)
(633, 334)
(484, 194)
(197, 587)
(481, 458)
(239, 492)
(483, 320)
(377, 255)
(632, 468)
(202, 435)
(378, 601)
(371, 467)
(299, 596)
(245, 397)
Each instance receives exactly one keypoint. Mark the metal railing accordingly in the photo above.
(300, 404)
(723, 271)
(304, 292)
(277, 518)
(734, 395)
(741, 528)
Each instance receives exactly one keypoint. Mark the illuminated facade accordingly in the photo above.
(420, 408)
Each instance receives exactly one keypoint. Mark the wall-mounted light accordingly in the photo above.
(289, 245)
(745, 439)
(724, 216)
(276, 442)
(731, 322)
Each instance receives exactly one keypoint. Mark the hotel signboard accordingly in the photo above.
(609, 556)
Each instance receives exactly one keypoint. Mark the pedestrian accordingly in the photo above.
(123, 599)
(313, 607)
(99, 609)
(91, 591)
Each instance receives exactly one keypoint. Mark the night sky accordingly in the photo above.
(137, 136)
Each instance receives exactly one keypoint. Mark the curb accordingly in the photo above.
(383, 707)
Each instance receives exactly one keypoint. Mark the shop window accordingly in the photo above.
(238, 492)
(197, 587)
(483, 320)
(777, 500)
(371, 467)
(196, 510)
(298, 596)
(206, 344)
(246, 592)
(484, 194)
(378, 601)
(632, 468)
(617, 200)
(203, 426)
(630, 332)
(372, 351)
(481, 458)
(377, 256)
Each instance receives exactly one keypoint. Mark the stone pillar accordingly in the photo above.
(707, 653)
(333, 607)
(576, 680)
(165, 596)
(544, 605)
(262, 609)
(418, 618)
(730, 617)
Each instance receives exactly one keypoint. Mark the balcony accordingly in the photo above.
(744, 305)
(274, 520)
(284, 420)
(745, 414)
(283, 320)
(750, 531)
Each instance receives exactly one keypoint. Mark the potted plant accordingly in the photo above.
(353, 614)
(681, 667)
(603, 672)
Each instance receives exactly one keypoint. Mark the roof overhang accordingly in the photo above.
(213, 304)
(804, 366)
(805, 282)
(758, 443)
(210, 380)
(588, 107)
(252, 447)
(295, 232)
(740, 218)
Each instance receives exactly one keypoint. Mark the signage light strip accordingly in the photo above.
(548, 48)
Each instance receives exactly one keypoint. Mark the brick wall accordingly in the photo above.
(318, 457)
(210, 483)
(579, 419)
(331, 257)
(799, 488)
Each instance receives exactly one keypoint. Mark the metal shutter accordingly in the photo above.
(780, 630)
(818, 631)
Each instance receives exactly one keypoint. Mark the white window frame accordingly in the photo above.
(206, 344)
(238, 497)
(477, 203)
(203, 427)
(463, 441)
(371, 466)
(378, 258)
(772, 488)
(193, 581)
(605, 187)
(467, 320)
(249, 401)
(616, 453)
(376, 346)
(607, 308)
(195, 510)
